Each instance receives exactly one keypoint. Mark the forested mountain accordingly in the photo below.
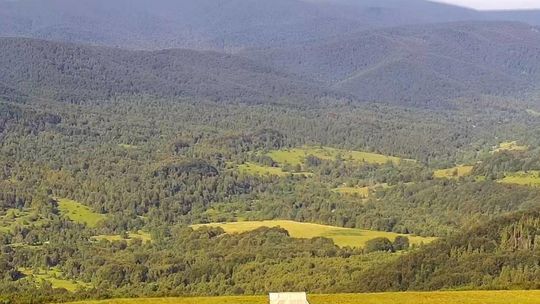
(76, 73)
(218, 24)
(425, 64)
(500, 254)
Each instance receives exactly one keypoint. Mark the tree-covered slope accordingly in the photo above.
(76, 73)
(503, 253)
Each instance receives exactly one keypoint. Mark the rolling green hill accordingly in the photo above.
(78, 73)
(502, 252)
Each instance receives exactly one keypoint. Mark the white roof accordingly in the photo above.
(288, 298)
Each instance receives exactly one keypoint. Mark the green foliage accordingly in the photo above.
(379, 244)
(497, 255)
(401, 243)
(139, 163)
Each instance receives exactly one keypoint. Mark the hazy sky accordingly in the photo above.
(496, 4)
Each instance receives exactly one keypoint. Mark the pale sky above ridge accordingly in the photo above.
(495, 4)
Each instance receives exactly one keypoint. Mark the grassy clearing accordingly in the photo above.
(446, 297)
(255, 169)
(456, 172)
(509, 146)
(141, 235)
(53, 276)
(363, 192)
(530, 178)
(341, 236)
(79, 213)
(297, 156)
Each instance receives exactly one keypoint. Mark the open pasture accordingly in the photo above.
(54, 277)
(297, 156)
(444, 297)
(363, 192)
(341, 236)
(79, 213)
(455, 172)
(256, 169)
(509, 146)
(141, 235)
(530, 178)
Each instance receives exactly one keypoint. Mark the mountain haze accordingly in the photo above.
(228, 25)
(420, 64)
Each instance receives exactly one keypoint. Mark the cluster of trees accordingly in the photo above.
(384, 244)
(502, 163)
(501, 254)
(183, 261)
(171, 162)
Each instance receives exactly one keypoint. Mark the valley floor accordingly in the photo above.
(449, 297)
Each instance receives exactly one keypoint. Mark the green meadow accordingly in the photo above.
(130, 236)
(256, 169)
(79, 213)
(341, 236)
(509, 146)
(363, 192)
(530, 178)
(53, 276)
(455, 172)
(297, 156)
(443, 297)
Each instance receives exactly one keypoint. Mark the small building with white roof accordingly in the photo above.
(288, 298)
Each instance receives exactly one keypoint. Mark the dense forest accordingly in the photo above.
(153, 165)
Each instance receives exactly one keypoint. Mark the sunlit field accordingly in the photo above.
(341, 236)
(461, 297)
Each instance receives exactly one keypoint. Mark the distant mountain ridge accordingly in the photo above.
(421, 64)
(225, 25)
(405, 52)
